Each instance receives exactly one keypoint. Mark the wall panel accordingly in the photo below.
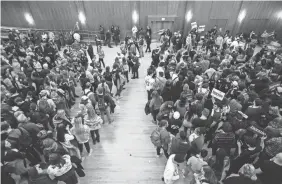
(64, 14)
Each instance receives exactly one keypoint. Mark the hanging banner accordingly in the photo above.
(217, 94)
(194, 25)
(201, 28)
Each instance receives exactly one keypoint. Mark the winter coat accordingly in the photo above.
(94, 124)
(82, 136)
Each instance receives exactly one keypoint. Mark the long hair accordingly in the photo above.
(90, 112)
(61, 131)
(209, 175)
(78, 125)
(155, 94)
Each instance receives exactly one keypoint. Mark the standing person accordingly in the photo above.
(155, 105)
(149, 31)
(135, 67)
(94, 122)
(101, 55)
(102, 32)
(108, 39)
(148, 42)
(141, 44)
(161, 138)
(125, 68)
(90, 51)
(171, 173)
(116, 35)
(61, 169)
(103, 101)
(81, 132)
(134, 32)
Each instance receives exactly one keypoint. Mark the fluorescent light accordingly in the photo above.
(279, 15)
(81, 17)
(29, 18)
(242, 15)
(189, 16)
(135, 17)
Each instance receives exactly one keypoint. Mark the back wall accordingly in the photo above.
(260, 15)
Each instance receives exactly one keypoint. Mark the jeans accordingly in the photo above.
(159, 151)
(155, 113)
(126, 75)
(135, 73)
(149, 94)
(141, 51)
(94, 139)
(101, 60)
(107, 111)
(148, 47)
(87, 146)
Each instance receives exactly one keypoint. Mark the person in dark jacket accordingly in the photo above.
(148, 42)
(90, 51)
(180, 146)
(167, 92)
(108, 39)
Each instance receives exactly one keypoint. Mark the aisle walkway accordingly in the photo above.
(125, 154)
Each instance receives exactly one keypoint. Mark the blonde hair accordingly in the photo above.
(78, 126)
(90, 112)
(248, 170)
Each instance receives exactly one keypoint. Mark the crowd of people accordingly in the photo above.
(42, 136)
(216, 101)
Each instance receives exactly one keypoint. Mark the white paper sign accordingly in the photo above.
(217, 94)
(201, 28)
(194, 25)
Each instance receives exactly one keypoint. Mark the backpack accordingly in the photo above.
(44, 106)
(156, 138)
(147, 108)
(25, 139)
(101, 103)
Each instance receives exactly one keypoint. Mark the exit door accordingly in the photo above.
(158, 25)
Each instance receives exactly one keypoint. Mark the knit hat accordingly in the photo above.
(176, 115)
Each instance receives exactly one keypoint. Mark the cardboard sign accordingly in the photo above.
(194, 25)
(256, 131)
(217, 94)
(201, 28)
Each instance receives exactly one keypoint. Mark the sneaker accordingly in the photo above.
(90, 152)
(158, 156)
(94, 142)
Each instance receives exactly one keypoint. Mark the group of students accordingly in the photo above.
(217, 107)
(42, 137)
(113, 34)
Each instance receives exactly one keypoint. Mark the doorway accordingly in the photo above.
(158, 25)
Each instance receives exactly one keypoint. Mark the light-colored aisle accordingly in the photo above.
(125, 153)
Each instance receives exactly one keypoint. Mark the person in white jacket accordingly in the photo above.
(171, 173)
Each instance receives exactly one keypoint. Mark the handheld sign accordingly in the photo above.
(194, 25)
(201, 28)
(255, 130)
(217, 94)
